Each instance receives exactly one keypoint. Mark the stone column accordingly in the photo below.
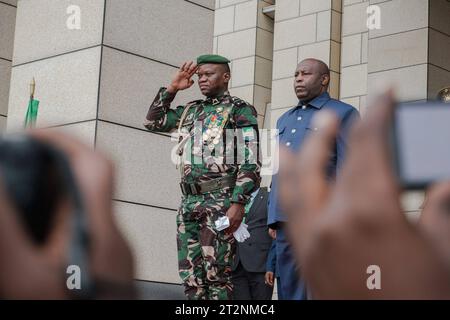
(438, 47)
(7, 25)
(303, 29)
(398, 51)
(244, 34)
(353, 89)
(409, 51)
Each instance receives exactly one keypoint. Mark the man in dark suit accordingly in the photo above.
(249, 267)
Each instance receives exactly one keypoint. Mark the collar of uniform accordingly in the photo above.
(218, 99)
(318, 101)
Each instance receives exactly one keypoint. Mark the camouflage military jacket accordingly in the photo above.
(222, 135)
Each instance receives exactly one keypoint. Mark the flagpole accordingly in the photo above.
(32, 110)
(32, 88)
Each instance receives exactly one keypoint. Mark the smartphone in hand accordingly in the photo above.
(421, 143)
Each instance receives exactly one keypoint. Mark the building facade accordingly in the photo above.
(99, 63)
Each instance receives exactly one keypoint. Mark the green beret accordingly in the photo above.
(212, 58)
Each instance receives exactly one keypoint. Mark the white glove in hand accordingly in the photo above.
(242, 234)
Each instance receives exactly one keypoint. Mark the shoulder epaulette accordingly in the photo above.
(238, 102)
(193, 102)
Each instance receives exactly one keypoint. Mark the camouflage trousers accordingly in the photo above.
(205, 255)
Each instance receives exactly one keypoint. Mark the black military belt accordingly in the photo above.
(207, 186)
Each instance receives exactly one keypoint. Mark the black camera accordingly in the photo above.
(37, 177)
(33, 182)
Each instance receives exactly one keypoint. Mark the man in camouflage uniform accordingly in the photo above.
(212, 185)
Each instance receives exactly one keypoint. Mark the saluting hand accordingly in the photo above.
(182, 79)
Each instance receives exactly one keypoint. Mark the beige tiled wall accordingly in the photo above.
(144, 171)
(151, 233)
(66, 86)
(354, 50)
(7, 25)
(303, 29)
(98, 84)
(149, 27)
(398, 51)
(5, 78)
(84, 131)
(244, 34)
(64, 62)
(2, 123)
(46, 33)
(408, 52)
(129, 84)
(439, 47)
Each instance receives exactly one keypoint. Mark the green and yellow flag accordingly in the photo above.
(32, 111)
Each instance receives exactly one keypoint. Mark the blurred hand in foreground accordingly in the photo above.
(31, 272)
(338, 230)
